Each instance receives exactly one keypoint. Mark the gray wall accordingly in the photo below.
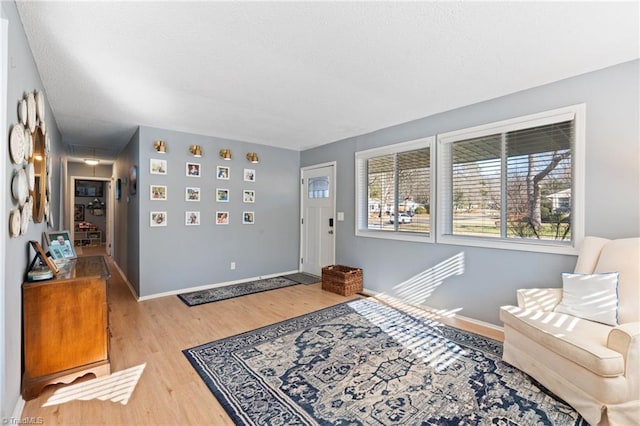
(491, 276)
(86, 171)
(126, 217)
(22, 77)
(178, 256)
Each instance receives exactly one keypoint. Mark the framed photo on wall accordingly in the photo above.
(249, 175)
(158, 219)
(222, 195)
(133, 180)
(158, 192)
(78, 213)
(248, 218)
(191, 194)
(158, 167)
(193, 169)
(192, 218)
(222, 218)
(89, 188)
(248, 196)
(223, 172)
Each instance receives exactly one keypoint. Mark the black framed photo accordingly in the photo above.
(89, 188)
(133, 180)
(78, 213)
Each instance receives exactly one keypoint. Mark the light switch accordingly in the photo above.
(340, 216)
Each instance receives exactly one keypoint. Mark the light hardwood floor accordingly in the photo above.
(155, 332)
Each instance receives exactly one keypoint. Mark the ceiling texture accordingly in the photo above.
(302, 74)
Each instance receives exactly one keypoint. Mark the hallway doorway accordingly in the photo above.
(91, 214)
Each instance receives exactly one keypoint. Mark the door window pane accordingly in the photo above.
(319, 187)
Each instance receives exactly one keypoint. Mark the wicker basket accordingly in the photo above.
(343, 280)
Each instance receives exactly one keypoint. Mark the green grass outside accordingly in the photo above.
(483, 226)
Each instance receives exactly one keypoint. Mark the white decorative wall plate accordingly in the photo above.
(16, 143)
(40, 105)
(31, 177)
(19, 187)
(24, 218)
(31, 112)
(22, 112)
(14, 223)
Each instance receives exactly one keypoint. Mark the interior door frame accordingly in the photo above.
(109, 210)
(4, 69)
(332, 196)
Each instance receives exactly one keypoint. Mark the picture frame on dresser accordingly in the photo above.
(43, 257)
(60, 245)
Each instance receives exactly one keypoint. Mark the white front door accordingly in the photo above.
(317, 222)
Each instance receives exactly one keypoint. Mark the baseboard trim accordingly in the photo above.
(210, 286)
(17, 410)
(124, 278)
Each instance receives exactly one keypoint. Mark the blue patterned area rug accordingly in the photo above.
(365, 363)
(227, 292)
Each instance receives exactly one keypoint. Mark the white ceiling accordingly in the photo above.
(298, 75)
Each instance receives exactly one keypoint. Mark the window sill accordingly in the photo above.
(549, 247)
(399, 236)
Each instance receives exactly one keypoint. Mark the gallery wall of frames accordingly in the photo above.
(194, 192)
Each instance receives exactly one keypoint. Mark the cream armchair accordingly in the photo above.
(592, 366)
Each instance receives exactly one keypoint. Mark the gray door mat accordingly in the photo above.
(304, 278)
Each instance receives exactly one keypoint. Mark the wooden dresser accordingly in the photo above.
(65, 330)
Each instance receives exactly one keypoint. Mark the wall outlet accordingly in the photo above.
(233, 265)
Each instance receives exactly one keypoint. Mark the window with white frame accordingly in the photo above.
(516, 183)
(394, 191)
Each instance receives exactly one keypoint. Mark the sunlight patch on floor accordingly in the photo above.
(116, 387)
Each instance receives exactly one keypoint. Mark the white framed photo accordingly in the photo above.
(249, 175)
(248, 218)
(158, 192)
(192, 218)
(193, 169)
(222, 195)
(222, 218)
(223, 172)
(158, 167)
(158, 219)
(192, 193)
(248, 196)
